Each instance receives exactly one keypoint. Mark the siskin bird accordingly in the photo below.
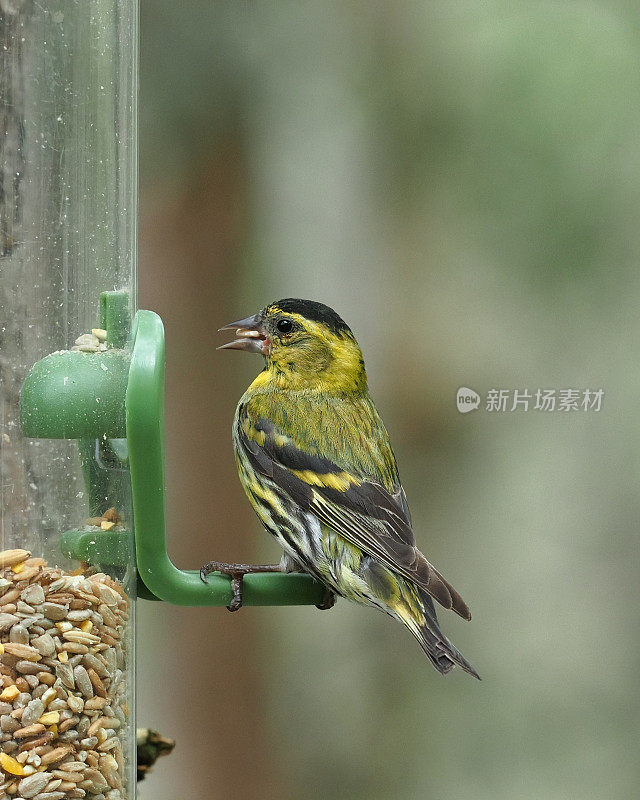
(314, 458)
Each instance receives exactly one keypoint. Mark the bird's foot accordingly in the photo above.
(328, 600)
(236, 572)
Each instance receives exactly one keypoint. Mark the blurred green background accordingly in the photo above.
(461, 181)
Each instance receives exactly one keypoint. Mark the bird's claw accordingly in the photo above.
(328, 601)
(236, 586)
(236, 572)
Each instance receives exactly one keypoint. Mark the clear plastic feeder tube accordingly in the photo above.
(67, 238)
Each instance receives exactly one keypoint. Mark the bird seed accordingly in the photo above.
(63, 684)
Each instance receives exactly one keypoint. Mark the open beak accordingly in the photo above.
(250, 335)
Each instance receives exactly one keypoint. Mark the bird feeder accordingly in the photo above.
(81, 412)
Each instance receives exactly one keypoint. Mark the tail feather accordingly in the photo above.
(442, 654)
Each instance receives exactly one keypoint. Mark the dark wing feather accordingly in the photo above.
(365, 513)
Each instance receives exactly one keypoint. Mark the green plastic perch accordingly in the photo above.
(145, 434)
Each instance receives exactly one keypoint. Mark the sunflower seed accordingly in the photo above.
(65, 674)
(19, 634)
(54, 611)
(33, 711)
(44, 644)
(7, 620)
(33, 594)
(79, 616)
(75, 703)
(9, 724)
(28, 787)
(89, 742)
(108, 596)
(87, 340)
(28, 667)
(84, 682)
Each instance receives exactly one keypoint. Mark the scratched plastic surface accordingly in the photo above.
(67, 233)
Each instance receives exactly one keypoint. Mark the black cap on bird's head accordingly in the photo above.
(311, 310)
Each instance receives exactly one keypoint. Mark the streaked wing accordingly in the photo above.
(359, 508)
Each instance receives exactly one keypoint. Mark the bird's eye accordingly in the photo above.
(284, 325)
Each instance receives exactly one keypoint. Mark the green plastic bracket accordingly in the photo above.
(115, 317)
(101, 399)
(145, 434)
(97, 546)
(72, 395)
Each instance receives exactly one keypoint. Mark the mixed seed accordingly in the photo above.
(94, 342)
(63, 682)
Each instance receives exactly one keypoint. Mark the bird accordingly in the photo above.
(315, 460)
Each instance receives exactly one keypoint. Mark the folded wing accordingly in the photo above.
(359, 508)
